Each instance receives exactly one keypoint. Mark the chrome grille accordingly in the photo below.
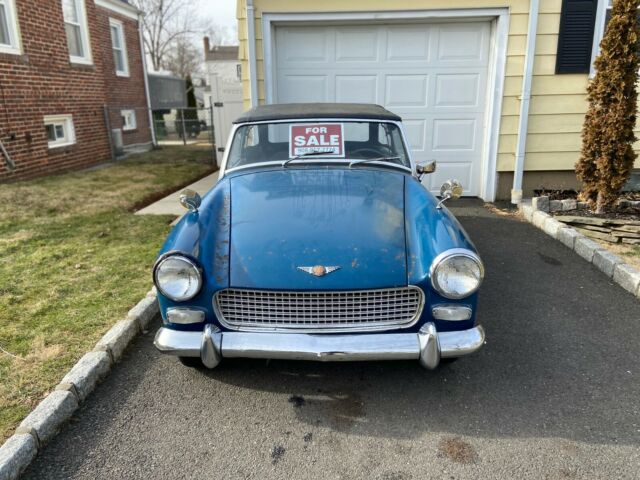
(318, 310)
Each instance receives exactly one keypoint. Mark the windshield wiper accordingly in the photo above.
(367, 160)
(308, 154)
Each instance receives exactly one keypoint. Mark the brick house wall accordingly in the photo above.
(42, 81)
(125, 92)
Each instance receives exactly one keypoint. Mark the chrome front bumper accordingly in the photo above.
(427, 346)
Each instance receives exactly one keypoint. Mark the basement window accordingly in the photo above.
(119, 46)
(128, 120)
(60, 131)
(9, 32)
(75, 24)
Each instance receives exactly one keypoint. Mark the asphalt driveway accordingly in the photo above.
(555, 393)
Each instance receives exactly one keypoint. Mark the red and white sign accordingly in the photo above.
(316, 137)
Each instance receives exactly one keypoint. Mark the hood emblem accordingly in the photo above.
(318, 270)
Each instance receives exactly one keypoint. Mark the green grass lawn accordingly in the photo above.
(73, 260)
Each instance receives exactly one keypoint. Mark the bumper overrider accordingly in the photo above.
(427, 346)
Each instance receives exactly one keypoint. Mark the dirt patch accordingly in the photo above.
(457, 450)
(573, 195)
(617, 213)
(503, 209)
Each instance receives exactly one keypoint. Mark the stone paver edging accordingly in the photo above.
(42, 424)
(611, 265)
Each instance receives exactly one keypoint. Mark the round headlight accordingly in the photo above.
(178, 278)
(456, 273)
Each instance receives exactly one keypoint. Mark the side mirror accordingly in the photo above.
(190, 199)
(451, 189)
(424, 168)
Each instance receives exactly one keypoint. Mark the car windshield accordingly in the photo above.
(317, 141)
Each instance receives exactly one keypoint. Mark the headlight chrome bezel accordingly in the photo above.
(192, 263)
(447, 254)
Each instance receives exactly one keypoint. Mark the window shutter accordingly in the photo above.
(575, 40)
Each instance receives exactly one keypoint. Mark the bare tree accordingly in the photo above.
(183, 58)
(221, 34)
(165, 22)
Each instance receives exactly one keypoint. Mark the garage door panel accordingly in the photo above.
(416, 132)
(408, 44)
(406, 90)
(463, 172)
(433, 75)
(357, 45)
(302, 46)
(302, 88)
(357, 88)
(462, 43)
(457, 90)
(454, 135)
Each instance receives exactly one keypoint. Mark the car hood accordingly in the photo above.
(348, 218)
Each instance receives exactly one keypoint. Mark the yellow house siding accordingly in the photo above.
(558, 102)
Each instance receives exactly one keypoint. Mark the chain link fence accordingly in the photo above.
(137, 129)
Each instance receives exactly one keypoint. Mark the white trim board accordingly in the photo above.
(120, 8)
(499, 33)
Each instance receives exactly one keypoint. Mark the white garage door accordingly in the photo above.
(433, 75)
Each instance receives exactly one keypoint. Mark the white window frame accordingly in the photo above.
(14, 47)
(84, 34)
(119, 26)
(132, 123)
(66, 121)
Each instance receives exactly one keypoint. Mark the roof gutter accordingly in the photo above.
(253, 72)
(525, 100)
(143, 56)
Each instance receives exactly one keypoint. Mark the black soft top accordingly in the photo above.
(294, 111)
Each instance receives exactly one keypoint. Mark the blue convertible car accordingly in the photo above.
(319, 242)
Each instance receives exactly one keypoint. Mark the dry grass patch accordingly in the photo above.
(73, 260)
(629, 253)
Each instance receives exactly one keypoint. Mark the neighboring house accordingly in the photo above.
(222, 60)
(224, 77)
(61, 62)
(483, 90)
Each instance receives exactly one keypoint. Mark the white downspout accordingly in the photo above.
(253, 72)
(143, 55)
(523, 122)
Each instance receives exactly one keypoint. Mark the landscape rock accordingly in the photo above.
(586, 248)
(576, 220)
(117, 338)
(569, 204)
(568, 237)
(540, 203)
(555, 205)
(527, 210)
(596, 234)
(50, 414)
(89, 370)
(551, 227)
(606, 261)
(16, 454)
(627, 277)
(145, 311)
(539, 218)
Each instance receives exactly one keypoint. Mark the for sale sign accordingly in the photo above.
(309, 138)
